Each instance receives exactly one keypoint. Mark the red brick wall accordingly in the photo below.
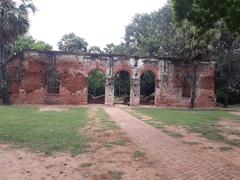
(29, 75)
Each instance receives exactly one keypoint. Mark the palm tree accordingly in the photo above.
(14, 22)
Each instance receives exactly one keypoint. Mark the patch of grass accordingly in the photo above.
(237, 133)
(118, 142)
(86, 164)
(107, 145)
(117, 175)
(199, 121)
(191, 143)
(156, 124)
(173, 134)
(46, 132)
(223, 149)
(106, 120)
(111, 161)
(138, 154)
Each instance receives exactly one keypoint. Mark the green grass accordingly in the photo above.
(138, 154)
(199, 121)
(173, 134)
(46, 132)
(118, 143)
(223, 149)
(86, 164)
(117, 175)
(106, 120)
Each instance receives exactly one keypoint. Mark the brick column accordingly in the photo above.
(109, 91)
(134, 92)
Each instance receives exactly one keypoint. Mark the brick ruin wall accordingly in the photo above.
(29, 72)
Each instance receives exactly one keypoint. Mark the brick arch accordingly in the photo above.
(145, 71)
(149, 68)
(123, 67)
(98, 69)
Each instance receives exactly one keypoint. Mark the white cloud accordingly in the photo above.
(99, 22)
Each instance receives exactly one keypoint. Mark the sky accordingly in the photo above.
(99, 22)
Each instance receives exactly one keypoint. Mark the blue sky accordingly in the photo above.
(99, 22)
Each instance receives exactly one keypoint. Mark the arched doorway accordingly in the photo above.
(96, 87)
(122, 88)
(147, 88)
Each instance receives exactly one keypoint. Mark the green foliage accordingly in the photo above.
(122, 84)
(204, 14)
(147, 84)
(95, 50)
(14, 22)
(147, 88)
(27, 42)
(116, 49)
(96, 83)
(72, 43)
(152, 34)
(45, 132)
(14, 19)
(227, 56)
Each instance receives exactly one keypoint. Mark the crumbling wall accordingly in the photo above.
(30, 76)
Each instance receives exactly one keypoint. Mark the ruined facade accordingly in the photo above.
(61, 78)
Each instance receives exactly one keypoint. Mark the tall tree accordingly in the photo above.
(95, 50)
(227, 58)
(14, 21)
(155, 34)
(152, 34)
(204, 14)
(193, 49)
(72, 43)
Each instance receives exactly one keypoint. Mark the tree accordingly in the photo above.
(27, 42)
(204, 14)
(120, 49)
(96, 83)
(227, 57)
(14, 22)
(194, 49)
(207, 15)
(72, 43)
(155, 34)
(152, 34)
(95, 50)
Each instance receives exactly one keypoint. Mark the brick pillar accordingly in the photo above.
(109, 91)
(134, 92)
(157, 99)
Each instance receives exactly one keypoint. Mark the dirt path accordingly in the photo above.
(110, 156)
(173, 159)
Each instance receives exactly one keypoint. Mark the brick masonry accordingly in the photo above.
(28, 71)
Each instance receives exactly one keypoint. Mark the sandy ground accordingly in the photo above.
(189, 157)
(103, 161)
(174, 158)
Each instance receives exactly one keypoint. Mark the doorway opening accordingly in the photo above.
(147, 88)
(96, 87)
(122, 88)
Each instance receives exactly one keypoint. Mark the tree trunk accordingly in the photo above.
(226, 99)
(4, 82)
(226, 93)
(194, 85)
